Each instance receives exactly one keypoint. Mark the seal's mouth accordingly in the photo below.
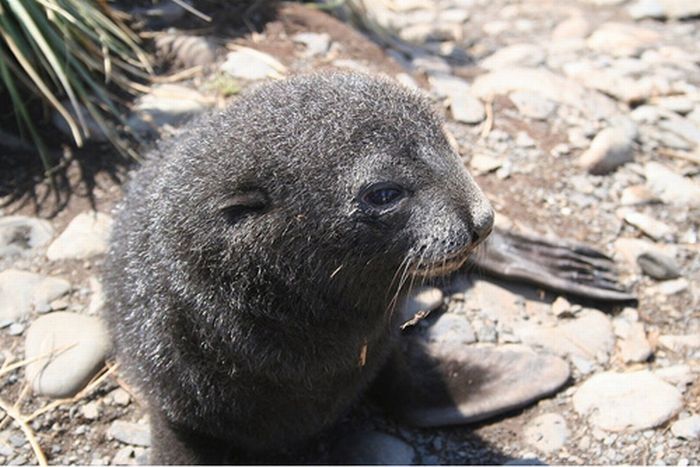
(445, 265)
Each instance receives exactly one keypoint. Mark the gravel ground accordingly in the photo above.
(580, 119)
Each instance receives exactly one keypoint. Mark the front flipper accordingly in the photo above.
(557, 265)
(430, 385)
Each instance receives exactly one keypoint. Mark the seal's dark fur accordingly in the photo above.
(250, 296)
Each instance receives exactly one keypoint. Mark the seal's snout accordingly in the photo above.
(483, 225)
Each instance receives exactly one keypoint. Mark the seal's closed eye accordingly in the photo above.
(240, 205)
(381, 197)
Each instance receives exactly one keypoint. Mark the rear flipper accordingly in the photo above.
(556, 265)
(430, 385)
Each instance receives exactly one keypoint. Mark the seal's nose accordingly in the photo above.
(482, 225)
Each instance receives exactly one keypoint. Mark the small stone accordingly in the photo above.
(547, 433)
(672, 287)
(467, 109)
(631, 248)
(683, 128)
(483, 164)
(316, 43)
(679, 104)
(548, 85)
(91, 410)
(15, 329)
(658, 265)
(672, 188)
(622, 40)
(634, 346)
(636, 195)
(561, 307)
(135, 434)
(680, 342)
(22, 291)
(687, 428)
(678, 375)
(450, 329)
(125, 456)
(67, 349)
(575, 27)
(650, 226)
(166, 104)
(610, 149)
(21, 235)
(620, 401)
(97, 299)
(87, 235)
(660, 9)
(120, 397)
(646, 9)
(251, 64)
(523, 140)
(589, 336)
(446, 85)
(186, 51)
(533, 105)
(372, 448)
(528, 55)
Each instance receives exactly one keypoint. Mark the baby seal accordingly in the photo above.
(257, 261)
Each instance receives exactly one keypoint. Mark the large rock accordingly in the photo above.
(627, 401)
(547, 84)
(21, 292)
(65, 350)
(87, 235)
(21, 235)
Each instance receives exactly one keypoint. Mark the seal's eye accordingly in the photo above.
(382, 195)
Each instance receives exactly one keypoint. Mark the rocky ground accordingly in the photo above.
(580, 119)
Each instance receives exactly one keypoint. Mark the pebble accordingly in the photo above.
(633, 343)
(186, 51)
(672, 287)
(315, 43)
(631, 248)
(561, 307)
(636, 195)
(678, 375)
(683, 128)
(548, 85)
(528, 55)
(672, 188)
(687, 428)
(622, 40)
(167, 104)
(589, 336)
(126, 456)
(482, 163)
(91, 410)
(15, 329)
(648, 225)
(62, 373)
(680, 342)
(135, 434)
(120, 397)
(661, 9)
(20, 235)
(575, 27)
(620, 401)
(22, 291)
(252, 65)
(446, 85)
(373, 448)
(87, 235)
(658, 265)
(610, 148)
(533, 104)
(452, 330)
(97, 298)
(547, 433)
(466, 108)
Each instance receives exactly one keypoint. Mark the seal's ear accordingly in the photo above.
(240, 205)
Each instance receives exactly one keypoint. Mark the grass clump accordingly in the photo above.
(74, 57)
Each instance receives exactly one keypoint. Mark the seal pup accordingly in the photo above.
(257, 261)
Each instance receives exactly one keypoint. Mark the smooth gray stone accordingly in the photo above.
(373, 448)
(135, 434)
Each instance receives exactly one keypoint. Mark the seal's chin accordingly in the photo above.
(443, 266)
